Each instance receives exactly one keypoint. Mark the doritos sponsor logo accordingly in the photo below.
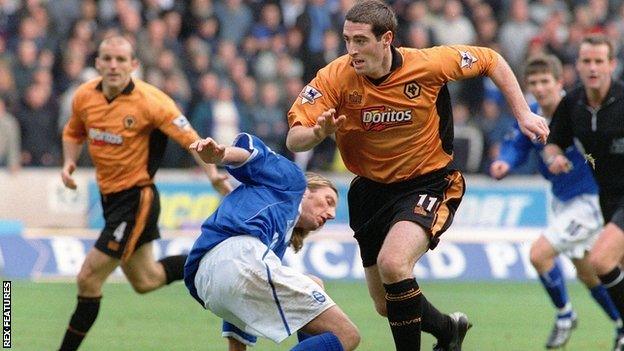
(309, 94)
(378, 118)
(467, 59)
(99, 137)
(181, 122)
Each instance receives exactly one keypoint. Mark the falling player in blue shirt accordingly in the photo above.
(235, 267)
(576, 220)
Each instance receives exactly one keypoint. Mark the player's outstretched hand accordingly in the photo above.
(66, 175)
(327, 123)
(208, 150)
(535, 127)
(499, 169)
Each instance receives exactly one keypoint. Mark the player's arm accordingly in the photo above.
(74, 134)
(219, 180)
(312, 117)
(531, 124)
(302, 138)
(555, 160)
(71, 152)
(209, 151)
(514, 151)
(169, 119)
(560, 138)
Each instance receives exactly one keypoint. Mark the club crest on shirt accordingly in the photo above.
(467, 59)
(309, 94)
(355, 98)
(411, 89)
(318, 296)
(129, 121)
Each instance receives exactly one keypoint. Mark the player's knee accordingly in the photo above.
(88, 282)
(537, 259)
(351, 338)
(348, 335)
(142, 286)
(381, 308)
(589, 279)
(392, 268)
(599, 263)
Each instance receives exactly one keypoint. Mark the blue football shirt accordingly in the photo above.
(265, 205)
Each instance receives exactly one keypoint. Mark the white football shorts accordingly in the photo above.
(575, 225)
(244, 283)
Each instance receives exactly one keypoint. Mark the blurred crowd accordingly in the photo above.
(237, 65)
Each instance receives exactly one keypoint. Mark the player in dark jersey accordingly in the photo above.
(125, 123)
(593, 114)
(390, 110)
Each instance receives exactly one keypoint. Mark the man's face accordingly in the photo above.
(318, 206)
(594, 67)
(365, 50)
(545, 88)
(115, 64)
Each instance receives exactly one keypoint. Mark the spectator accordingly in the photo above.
(10, 140)
(453, 27)
(25, 65)
(468, 143)
(516, 33)
(226, 121)
(201, 113)
(494, 124)
(246, 100)
(194, 14)
(269, 26)
(235, 19)
(38, 118)
(269, 122)
(313, 22)
(8, 92)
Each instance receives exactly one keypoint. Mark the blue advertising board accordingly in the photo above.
(187, 205)
(62, 256)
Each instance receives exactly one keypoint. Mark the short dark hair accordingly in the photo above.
(543, 64)
(600, 39)
(376, 13)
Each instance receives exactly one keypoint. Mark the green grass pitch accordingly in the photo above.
(506, 316)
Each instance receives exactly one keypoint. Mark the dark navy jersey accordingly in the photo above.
(599, 130)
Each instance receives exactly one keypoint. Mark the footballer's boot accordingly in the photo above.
(561, 332)
(460, 328)
(619, 342)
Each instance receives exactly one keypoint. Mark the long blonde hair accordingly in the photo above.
(315, 181)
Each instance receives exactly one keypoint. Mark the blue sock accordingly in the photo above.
(555, 286)
(322, 342)
(600, 294)
(302, 336)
